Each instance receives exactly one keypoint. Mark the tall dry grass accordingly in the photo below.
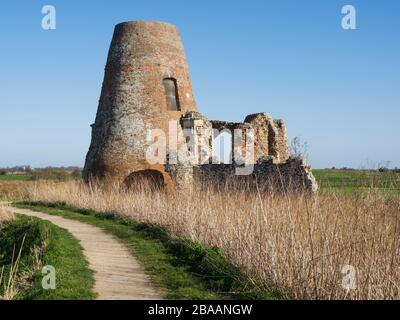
(5, 213)
(11, 190)
(296, 243)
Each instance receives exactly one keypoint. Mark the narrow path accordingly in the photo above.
(118, 275)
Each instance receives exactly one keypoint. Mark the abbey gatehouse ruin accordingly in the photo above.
(147, 126)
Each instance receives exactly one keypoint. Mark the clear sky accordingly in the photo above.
(339, 90)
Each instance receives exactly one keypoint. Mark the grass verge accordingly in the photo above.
(44, 244)
(185, 269)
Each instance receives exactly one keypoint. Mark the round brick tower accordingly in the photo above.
(146, 84)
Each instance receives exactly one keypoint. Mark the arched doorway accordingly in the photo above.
(145, 181)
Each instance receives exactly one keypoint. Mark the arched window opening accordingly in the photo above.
(171, 94)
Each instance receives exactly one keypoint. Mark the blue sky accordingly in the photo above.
(339, 90)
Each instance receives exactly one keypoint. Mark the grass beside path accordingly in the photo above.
(45, 244)
(186, 270)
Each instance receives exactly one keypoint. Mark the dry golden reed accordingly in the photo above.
(299, 244)
(5, 213)
(11, 190)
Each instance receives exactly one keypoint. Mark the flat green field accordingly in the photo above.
(14, 177)
(357, 181)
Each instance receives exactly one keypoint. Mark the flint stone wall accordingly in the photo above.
(267, 175)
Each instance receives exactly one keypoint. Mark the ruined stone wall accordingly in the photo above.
(267, 176)
(270, 137)
(132, 101)
(282, 142)
(182, 176)
(198, 134)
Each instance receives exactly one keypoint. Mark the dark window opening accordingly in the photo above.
(171, 93)
(145, 181)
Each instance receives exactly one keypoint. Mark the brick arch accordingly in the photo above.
(148, 180)
(152, 179)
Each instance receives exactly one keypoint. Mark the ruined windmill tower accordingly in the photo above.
(146, 84)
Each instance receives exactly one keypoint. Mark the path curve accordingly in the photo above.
(118, 275)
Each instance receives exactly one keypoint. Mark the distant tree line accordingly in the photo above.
(15, 169)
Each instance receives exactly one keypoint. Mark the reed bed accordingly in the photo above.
(309, 247)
